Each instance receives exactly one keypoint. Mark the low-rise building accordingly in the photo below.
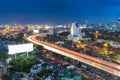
(3, 70)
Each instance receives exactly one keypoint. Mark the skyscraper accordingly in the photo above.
(75, 29)
(76, 33)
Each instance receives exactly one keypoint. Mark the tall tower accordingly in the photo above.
(74, 29)
(76, 33)
(118, 23)
(86, 23)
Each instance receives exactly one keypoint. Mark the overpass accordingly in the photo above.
(92, 61)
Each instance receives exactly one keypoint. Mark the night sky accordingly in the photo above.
(58, 11)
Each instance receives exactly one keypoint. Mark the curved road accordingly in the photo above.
(95, 62)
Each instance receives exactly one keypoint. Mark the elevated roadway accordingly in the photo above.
(92, 61)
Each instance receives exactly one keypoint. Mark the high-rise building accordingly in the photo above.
(75, 29)
(118, 24)
(76, 33)
(52, 31)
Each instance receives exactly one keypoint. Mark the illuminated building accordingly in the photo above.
(76, 33)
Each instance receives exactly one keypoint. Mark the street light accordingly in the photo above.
(79, 41)
(105, 45)
(110, 52)
(97, 32)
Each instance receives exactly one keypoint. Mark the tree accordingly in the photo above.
(23, 64)
(38, 47)
(6, 77)
(3, 56)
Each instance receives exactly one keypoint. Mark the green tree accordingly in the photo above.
(6, 77)
(23, 64)
(3, 55)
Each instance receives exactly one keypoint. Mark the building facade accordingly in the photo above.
(76, 33)
(3, 70)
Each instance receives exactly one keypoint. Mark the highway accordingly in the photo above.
(92, 61)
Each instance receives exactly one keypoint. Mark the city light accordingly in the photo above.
(106, 66)
(60, 39)
(97, 32)
(105, 45)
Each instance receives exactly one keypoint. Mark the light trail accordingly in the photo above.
(95, 62)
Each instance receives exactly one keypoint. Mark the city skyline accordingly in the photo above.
(58, 11)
